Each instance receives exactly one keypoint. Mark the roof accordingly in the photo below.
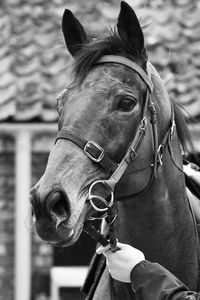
(34, 60)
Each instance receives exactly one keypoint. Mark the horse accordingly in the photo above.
(116, 114)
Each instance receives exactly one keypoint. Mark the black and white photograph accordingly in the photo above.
(100, 150)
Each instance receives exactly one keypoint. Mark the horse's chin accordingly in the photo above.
(72, 237)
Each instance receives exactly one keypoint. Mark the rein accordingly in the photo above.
(97, 154)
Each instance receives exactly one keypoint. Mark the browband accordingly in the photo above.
(128, 63)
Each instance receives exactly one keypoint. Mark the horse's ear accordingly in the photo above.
(129, 29)
(74, 33)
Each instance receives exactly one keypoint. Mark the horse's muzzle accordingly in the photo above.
(55, 204)
(52, 212)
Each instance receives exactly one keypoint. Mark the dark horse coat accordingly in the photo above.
(104, 104)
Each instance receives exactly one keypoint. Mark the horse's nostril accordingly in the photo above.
(57, 205)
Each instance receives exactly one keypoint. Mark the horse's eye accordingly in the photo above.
(126, 104)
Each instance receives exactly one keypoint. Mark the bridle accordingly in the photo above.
(97, 154)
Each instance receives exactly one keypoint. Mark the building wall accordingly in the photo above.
(7, 207)
(42, 258)
(33, 55)
(41, 252)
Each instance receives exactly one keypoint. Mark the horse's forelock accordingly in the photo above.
(182, 128)
(109, 45)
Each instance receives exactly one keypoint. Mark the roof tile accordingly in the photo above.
(34, 59)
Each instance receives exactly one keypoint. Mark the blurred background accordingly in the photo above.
(33, 70)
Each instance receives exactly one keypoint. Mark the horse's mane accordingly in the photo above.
(182, 128)
(112, 45)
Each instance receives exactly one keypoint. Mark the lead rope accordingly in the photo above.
(90, 229)
(111, 219)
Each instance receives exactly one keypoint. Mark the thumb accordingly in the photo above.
(122, 246)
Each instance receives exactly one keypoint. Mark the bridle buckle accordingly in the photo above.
(91, 149)
(143, 124)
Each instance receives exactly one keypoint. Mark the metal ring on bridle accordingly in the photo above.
(91, 197)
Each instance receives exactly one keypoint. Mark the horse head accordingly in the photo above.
(103, 104)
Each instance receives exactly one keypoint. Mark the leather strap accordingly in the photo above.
(129, 156)
(91, 149)
(128, 63)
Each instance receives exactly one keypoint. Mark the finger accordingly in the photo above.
(121, 245)
(102, 249)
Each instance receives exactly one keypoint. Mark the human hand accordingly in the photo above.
(192, 172)
(121, 262)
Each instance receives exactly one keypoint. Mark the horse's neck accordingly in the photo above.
(160, 223)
